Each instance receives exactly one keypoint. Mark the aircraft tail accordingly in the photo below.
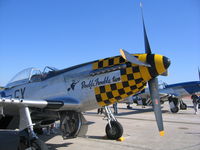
(199, 73)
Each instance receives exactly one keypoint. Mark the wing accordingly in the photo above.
(45, 116)
(163, 95)
(61, 103)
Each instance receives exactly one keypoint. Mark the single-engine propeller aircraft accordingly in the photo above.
(42, 98)
(173, 93)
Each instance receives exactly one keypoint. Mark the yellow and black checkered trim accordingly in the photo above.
(133, 77)
(108, 62)
(131, 83)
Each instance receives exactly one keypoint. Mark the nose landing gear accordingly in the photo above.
(114, 129)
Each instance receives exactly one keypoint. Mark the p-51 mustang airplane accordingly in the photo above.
(172, 93)
(44, 97)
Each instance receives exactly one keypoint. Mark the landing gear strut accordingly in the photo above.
(22, 139)
(28, 139)
(114, 129)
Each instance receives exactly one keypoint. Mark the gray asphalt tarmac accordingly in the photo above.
(182, 131)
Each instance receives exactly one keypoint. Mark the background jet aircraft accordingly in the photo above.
(42, 98)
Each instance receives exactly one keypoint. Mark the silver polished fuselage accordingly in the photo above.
(75, 88)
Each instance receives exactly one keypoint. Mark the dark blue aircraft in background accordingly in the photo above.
(172, 93)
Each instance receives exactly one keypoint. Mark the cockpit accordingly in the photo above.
(31, 75)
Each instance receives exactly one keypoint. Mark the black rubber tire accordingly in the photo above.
(115, 132)
(38, 131)
(129, 107)
(174, 110)
(35, 145)
(183, 106)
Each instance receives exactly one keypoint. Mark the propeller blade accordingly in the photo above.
(127, 56)
(146, 41)
(153, 88)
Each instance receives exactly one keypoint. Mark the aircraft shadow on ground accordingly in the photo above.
(45, 138)
(138, 111)
(196, 133)
(131, 111)
(56, 146)
(97, 137)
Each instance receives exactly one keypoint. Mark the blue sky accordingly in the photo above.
(63, 33)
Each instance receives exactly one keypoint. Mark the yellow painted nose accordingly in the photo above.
(159, 65)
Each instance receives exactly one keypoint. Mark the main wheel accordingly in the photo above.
(35, 145)
(174, 110)
(115, 132)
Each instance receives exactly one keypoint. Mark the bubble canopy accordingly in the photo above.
(22, 77)
(26, 75)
